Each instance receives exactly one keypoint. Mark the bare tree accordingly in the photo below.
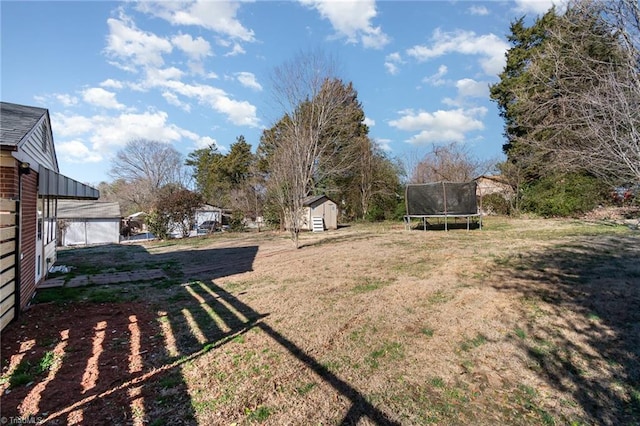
(312, 99)
(146, 166)
(451, 163)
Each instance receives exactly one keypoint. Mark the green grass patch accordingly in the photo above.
(520, 333)
(427, 331)
(59, 295)
(437, 382)
(306, 388)
(367, 284)
(471, 343)
(439, 297)
(26, 372)
(389, 350)
(526, 397)
(259, 414)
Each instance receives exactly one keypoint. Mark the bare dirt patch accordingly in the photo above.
(524, 322)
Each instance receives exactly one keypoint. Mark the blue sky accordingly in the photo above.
(193, 73)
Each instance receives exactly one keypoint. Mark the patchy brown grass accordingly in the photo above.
(524, 322)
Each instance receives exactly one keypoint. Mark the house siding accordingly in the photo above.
(33, 148)
(8, 175)
(28, 222)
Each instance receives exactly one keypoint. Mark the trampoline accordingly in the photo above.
(442, 200)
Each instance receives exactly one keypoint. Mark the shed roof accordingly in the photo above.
(16, 121)
(495, 178)
(80, 209)
(314, 199)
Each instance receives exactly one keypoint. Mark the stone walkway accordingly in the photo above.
(109, 278)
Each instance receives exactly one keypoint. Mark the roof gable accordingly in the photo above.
(315, 200)
(17, 121)
(27, 129)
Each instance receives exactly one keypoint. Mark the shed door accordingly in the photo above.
(8, 245)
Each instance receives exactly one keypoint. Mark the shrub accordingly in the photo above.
(496, 204)
(563, 195)
(236, 222)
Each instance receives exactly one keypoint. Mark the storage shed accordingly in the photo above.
(320, 206)
(88, 222)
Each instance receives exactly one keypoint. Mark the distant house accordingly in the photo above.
(88, 222)
(30, 187)
(319, 206)
(486, 185)
(208, 213)
(135, 223)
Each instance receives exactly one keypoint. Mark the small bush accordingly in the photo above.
(496, 204)
(236, 221)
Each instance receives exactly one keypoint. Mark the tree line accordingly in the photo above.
(569, 97)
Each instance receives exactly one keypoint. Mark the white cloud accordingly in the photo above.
(478, 10)
(196, 49)
(369, 122)
(218, 16)
(66, 100)
(155, 77)
(440, 126)
(470, 88)
(248, 79)
(391, 68)
(74, 151)
(538, 6)
(489, 47)
(237, 50)
(97, 96)
(352, 19)
(112, 84)
(241, 113)
(383, 144)
(436, 79)
(70, 125)
(106, 134)
(131, 47)
(173, 99)
(205, 142)
(392, 61)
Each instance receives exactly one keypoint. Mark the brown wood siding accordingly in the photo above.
(8, 176)
(28, 223)
(8, 242)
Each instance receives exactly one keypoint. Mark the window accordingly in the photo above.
(40, 214)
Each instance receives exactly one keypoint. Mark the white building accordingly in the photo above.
(88, 222)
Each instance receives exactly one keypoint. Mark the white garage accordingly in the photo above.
(88, 222)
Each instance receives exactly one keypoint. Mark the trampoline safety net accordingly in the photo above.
(441, 198)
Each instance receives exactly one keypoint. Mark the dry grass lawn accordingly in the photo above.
(523, 322)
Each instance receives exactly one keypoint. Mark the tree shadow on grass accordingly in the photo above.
(120, 363)
(582, 303)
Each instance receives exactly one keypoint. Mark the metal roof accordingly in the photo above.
(16, 121)
(80, 209)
